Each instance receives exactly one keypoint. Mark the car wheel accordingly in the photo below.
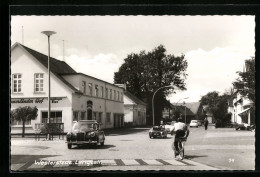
(69, 146)
(172, 133)
(197, 126)
(102, 144)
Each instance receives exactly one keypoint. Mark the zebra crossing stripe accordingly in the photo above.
(130, 162)
(153, 162)
(106, 162)
(15, 167)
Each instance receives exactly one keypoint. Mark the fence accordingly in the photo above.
(49, 128)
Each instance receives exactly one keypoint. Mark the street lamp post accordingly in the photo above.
(48, 34)
(153, 99)
(184, 106)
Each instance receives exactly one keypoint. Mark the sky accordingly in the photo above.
(215, 47)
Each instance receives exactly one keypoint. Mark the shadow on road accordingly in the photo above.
(194, 156)
(124, 131)
(93, 147)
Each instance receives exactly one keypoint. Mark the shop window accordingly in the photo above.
(56, 117)
(82, 115)
(75, 115)
(17, 83)
(108, 119)
(94, 116)
(38, 81)
(90, 89)
(83, 86)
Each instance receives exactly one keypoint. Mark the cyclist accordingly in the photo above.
(182, 131)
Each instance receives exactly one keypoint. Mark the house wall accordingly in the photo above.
(27, 66)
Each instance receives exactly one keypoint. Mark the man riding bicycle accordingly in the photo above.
(182, 131)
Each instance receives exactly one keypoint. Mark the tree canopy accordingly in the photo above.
(24, 114)
(145, 72)
(245, 83)
(216, 105)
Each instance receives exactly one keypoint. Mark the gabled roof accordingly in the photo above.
(134, 98)
(193, 106)
(57, 67)
(181, 108)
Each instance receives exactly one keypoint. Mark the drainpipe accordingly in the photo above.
(105, 106)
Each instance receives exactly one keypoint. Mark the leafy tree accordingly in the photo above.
(24, 114)
(145, 72)
(216, 104)
(245, 83)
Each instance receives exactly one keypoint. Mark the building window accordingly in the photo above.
(108, 117)
(56, 117)
(94, 116)
(96, 90)
(122, 96)
(110, 94)
(83, 86)
(118, 96)
(102, 92)
(75, 115)
(38, 80)
(114, 95)
(99, 119)
(90, 88)
(17, 83)
(82, 116)
(106, 92)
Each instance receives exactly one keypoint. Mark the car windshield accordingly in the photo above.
(194, 121)
(157, 128)
(83, 126)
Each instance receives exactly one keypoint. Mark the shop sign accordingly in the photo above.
(34, 100)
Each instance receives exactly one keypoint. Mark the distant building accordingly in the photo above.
(196, 108)
(241, 109)
(182, 108)
(134, 110)
(74, 96)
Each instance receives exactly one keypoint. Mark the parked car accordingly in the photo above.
(158, 131)
(194, 123)
(169, 126)
(85, 132)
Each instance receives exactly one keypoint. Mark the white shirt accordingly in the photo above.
(180, 126)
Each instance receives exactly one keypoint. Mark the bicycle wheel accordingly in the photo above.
(181, 151)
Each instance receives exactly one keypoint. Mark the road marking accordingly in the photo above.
(152, 162)
(130, 162)
(174, 162)
(108, 162)
(15, 167)
(34, 166)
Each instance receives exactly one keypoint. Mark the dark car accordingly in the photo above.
(157, 131)
(85, 132)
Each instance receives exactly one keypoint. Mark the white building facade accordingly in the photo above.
(241, 110)
(74, 96)
(134, 110)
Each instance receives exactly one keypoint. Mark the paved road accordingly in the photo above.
(134, 150)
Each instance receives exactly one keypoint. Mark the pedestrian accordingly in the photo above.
(206, 123)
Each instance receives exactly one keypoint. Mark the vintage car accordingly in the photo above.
(169, 126)
(85, 132)
(158, 131)
(194, 123)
